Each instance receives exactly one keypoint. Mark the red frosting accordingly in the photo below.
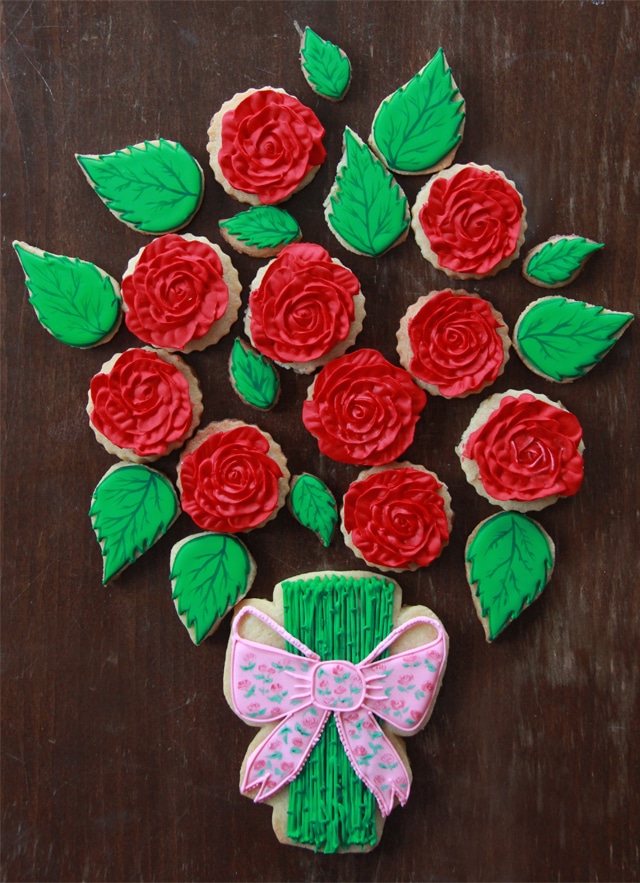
(270, 142)
(304, 306)
(455, 345)
(176, 292)
(363, 409)
(143, 404)
(396, 517)
(527, 450)
(229, 483)
(472, 220)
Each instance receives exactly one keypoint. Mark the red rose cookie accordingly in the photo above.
(469, 221)
(264, 145)
(452, 343)
(143, 404)
(180, 292)
(522, 451)
(232, 477)
(362, 409)
(397, 517)
(305, 308)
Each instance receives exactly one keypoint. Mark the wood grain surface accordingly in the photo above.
(120, 757)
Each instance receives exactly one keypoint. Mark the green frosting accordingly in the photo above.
(420, 123)
(314, 506)
(77, 302)
(253, 376)
(563, 339)
(132, 507)
(511, 559)
(263, 227)
(210, 572)
(366, 208)
(559, 259)
(325, 66)
(155, 186)
(340, 617)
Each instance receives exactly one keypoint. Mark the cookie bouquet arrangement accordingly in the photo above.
(333, 671)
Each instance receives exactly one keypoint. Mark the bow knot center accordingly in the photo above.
(337, 686)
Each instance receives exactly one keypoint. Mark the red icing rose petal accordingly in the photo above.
(175, 293)
(396, 518)
(472, 220)
(303, 306)
(362, 409)
(270, 142)
(455, 344)
(527, 450)
(142, 404)
(230, 481)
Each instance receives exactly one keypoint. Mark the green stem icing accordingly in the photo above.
(340, 617)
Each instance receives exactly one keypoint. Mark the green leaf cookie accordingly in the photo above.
(210, 572)
(154, 187)
(325, 66)
(261, 230)
(509, 560)
(314, 506)
(253, 376)
(366, 208)
(77, 302)
(131, 508)
(558, 261)
(563, 339)
(419, 127)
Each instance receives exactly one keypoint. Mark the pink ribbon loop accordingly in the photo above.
(270, 685)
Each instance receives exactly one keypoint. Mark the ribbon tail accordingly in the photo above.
(374, 759)
(278, 759)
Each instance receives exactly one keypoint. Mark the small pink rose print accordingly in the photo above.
(368, 724)
(263, 668)
(323, 684)
(360, 751)
(397, 704)
(253, 707)
(244, 684)
(259, 765)
(249, 657)
(415, 715)
(338, 670)
(411, 659)
(297, 742)
(277, 711)
(427, 687)
(387, 757)
(274, 744)
(275, 688)
(400, 781)
(287, 766)
(379, 780)
(308, 721)
(351, 717)
(405, 679)
(379, 668)
(340, 690)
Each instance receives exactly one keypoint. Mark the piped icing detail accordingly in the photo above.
(210, 573)
(141, 402)
(558, 261)
(366, 208)
(563, 339)
(253, 376)
(325, 66)
(509, 562)
(77, 302)
(230, 480)
(527, 449)
(154, 187)
(458, 344)
(175, 290)
(418, 128)
(362, 409)
(397, 517)
(313, 504)
(302, 307)
(473, 220)
(311, 689)
(269, 143)
(132, 507)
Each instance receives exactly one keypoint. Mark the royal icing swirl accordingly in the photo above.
(472, 220)
(141, 403)
(302, 308)
(527, 449)
(458, 343)
(270, 143)
(229, 480)
(396, 518)
(176, 291)
(362, 409)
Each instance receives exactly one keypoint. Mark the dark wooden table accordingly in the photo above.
(120, 757)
